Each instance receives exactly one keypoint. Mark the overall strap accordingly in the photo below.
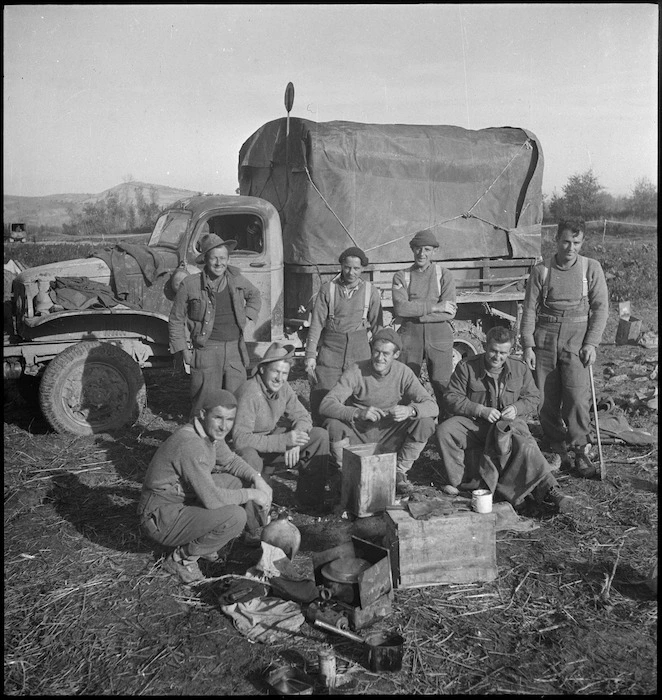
(547, 264)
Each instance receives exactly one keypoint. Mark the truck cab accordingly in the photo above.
(86, 328)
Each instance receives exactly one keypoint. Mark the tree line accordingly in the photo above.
(109, 215)
(584, 197)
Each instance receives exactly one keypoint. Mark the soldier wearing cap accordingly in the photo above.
(346, 309)
(193, 497)
(381, 400)
(208, 318)
(424, 303)
(273, 425)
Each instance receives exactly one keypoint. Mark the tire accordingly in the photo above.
(92, 387)
(465, 344)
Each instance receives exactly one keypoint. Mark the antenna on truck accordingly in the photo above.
(289, 101)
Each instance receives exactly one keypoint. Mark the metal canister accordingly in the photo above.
(327, 663)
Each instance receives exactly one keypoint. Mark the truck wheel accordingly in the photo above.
(92, 387)
(465, 344)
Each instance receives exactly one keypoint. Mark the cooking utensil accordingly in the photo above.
(384, 649)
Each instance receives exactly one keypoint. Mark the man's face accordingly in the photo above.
(217, 422)
(275, 374)
(216, 262)
(422, 255)
(568, 245)
(383, 354)
(351, 270)
(496, 354)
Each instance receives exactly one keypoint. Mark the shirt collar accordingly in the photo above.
(269, 394)
(199, 430)
(482, 370)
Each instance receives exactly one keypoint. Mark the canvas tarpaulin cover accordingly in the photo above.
(376, 185)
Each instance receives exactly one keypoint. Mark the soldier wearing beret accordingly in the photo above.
(424, 303)
(381, 400)
(346, 309)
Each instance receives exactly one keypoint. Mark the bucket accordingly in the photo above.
(384, 651)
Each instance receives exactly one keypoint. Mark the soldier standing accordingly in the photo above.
(424, 303)
(565, 313)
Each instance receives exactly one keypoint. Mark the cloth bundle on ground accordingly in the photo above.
(276, 568)
(614, 426)
(267, 620)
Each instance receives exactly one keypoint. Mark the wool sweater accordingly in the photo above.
(565, 293)
(181, 468)
(415, 303)
(360, 387)
(259, 413)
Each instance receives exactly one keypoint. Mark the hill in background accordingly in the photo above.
(54, 210)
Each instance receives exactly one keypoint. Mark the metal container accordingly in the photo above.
(341, 578)
(384, 651)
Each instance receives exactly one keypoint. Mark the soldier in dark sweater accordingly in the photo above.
(564, 316)
(207, 321)
(193, 497)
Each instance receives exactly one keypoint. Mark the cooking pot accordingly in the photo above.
(341, 578)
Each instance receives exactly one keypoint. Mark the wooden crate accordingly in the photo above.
(368, 479)
(457, 548)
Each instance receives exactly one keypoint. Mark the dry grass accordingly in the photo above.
(88, 609)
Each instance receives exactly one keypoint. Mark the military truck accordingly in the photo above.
(85, 330)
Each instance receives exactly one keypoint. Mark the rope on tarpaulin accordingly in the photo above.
(329, 206)
(466, 215)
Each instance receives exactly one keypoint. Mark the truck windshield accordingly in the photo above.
(169, 229)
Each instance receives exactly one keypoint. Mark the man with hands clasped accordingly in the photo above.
(381, 400)
(489, 397)
(272, 424)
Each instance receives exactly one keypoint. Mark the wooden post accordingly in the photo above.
(604, 232)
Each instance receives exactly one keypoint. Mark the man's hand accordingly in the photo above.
(262, 499)
(491, 415)
(310, 366)
(448, 307)
(529, 357)
(292, 457)
(509, 413)
(400, 413)
(260, 484)
(587, 355)
(297, 438)
(372, 414)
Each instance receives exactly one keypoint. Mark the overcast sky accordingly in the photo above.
(167, 94)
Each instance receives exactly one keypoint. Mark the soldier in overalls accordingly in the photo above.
(346, 309)
(565, 312)
(424, 303)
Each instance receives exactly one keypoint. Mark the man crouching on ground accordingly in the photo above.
(381, 400)
(193, 494)
(489, 397)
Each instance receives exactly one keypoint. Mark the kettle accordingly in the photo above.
(283, 533)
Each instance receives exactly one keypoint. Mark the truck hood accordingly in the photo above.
(93, 268)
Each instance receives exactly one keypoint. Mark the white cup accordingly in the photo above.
(481, 501)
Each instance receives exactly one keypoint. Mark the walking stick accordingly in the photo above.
(603, 470)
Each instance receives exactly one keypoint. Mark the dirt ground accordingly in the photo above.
(88, 609)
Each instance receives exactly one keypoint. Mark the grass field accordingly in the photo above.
(88, 609)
